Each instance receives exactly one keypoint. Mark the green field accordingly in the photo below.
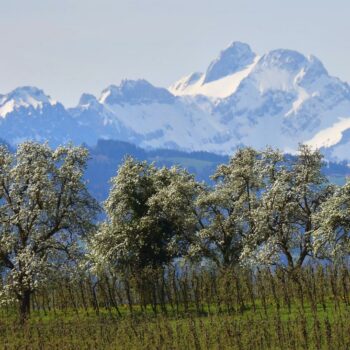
(231, 311)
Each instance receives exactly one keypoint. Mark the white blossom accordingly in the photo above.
(44, 207)
(151, 217)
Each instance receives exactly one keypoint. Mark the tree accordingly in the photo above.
(44, 208)
(226, 208)
(332, 237)
(150, 216)
(284, 224)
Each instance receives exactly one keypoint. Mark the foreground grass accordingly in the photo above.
(265, 327)
(231, 309)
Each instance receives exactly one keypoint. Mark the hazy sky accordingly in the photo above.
(68, 47)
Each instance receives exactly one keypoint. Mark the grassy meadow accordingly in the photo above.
(231, 309)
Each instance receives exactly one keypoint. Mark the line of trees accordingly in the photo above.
(263, 208)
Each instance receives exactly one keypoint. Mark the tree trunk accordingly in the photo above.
(24, 305)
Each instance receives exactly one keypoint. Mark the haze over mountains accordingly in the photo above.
(280, 99)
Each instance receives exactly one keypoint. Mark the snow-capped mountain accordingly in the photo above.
(280, 98)
(148, 116)
(223, 75)
(24, 97)
(27, 113)
(287, 98)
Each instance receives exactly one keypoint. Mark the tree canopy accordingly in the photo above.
(44, 208)
(151, 216)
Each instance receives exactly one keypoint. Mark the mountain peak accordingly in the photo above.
(26, 92)
(25, 96)
(289, 60)
(185, 82)
(234, 58)
(135, 92)
(314, 71)
(130, 84)
(86, 99)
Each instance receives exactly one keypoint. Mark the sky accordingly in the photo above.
(68, 47)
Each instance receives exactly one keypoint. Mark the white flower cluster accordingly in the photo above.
(44, 207)
(151, 216)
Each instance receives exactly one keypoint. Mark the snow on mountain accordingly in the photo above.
(27, 113)
(330, 136)
(151, 117)
(233, 59)
(220, 88)
(23, 97)
(280, 98)
(135, 92)
(223, 75)
(286, 99)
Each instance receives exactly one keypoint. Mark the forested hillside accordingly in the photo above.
(108, 155)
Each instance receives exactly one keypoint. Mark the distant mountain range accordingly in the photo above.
(280, 99)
